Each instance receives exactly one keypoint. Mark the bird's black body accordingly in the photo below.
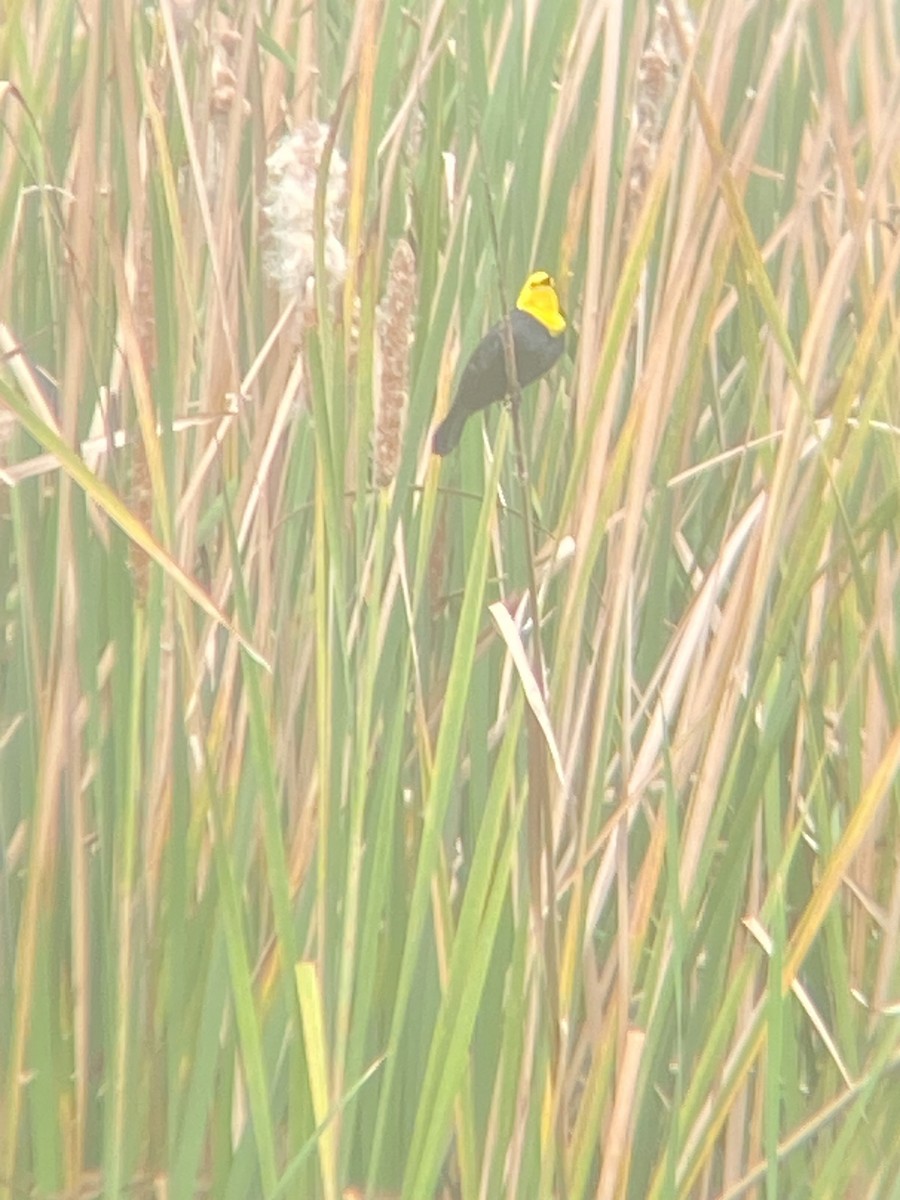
(484, 377)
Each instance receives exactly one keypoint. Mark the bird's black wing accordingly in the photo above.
(484, 376)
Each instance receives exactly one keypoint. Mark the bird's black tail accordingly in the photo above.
(447, 435)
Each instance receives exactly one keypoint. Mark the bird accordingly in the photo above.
(538, 328)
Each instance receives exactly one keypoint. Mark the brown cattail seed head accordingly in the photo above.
(394, 335)
(660, 67)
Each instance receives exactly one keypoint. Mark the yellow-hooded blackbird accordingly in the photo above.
(538, 329)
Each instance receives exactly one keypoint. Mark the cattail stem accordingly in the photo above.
(541, 860)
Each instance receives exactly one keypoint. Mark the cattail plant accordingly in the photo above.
(289, 205)
(145, 327)
(394, 334)
(658, 73)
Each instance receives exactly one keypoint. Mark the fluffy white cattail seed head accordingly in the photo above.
(289, 204)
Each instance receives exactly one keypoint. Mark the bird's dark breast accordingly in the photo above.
(484, 378)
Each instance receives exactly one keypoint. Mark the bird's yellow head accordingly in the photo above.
(539, 299)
